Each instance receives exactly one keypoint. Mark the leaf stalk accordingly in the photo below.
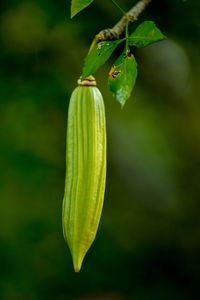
(115, 32)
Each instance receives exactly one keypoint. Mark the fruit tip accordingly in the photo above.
(77, 270)
(77, 265)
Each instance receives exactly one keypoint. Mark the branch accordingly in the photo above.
(115, 32)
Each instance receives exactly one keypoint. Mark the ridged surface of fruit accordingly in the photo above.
(86, 170)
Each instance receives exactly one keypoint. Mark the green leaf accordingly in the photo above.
(122, 76)
(98, 56)
(145, 34)
(78, 5)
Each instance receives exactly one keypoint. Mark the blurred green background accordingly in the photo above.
(148, 243)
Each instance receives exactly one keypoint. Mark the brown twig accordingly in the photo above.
(115, 32)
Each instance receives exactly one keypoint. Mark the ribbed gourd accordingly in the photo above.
(85, 169)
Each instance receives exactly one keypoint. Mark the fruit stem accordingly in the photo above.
(89, 81)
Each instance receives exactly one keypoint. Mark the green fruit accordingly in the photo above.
(85, 169)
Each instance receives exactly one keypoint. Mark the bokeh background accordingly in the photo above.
(148, 243)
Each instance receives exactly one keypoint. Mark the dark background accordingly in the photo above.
(148, 243)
